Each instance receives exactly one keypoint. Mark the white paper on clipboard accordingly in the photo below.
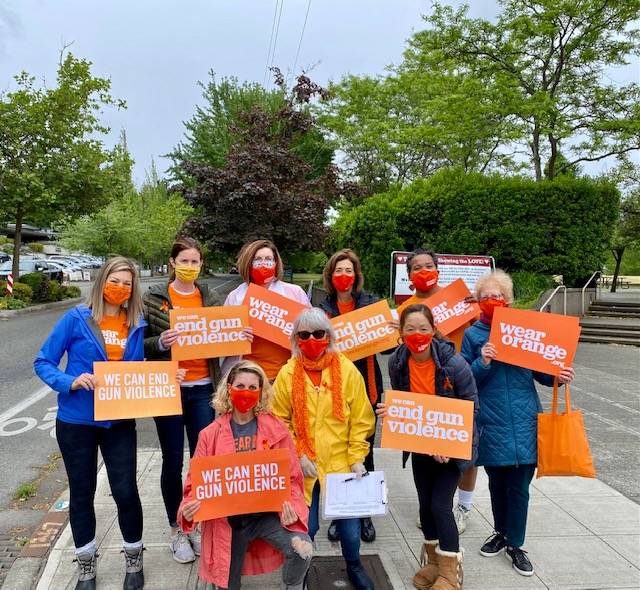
(347, 497)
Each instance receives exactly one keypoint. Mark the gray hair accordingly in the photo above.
(312, 319)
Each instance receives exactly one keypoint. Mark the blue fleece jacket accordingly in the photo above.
(77, 335)
(509, 405)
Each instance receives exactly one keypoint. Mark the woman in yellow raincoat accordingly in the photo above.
(322, 398)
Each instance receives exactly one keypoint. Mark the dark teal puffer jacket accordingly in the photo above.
(509, 405)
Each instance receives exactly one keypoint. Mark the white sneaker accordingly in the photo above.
(181, 548)
(461, 515)
(195, 540)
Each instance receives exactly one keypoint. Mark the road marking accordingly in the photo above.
(223, 284)
(25, 403)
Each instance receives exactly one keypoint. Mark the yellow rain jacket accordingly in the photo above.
(338, 444)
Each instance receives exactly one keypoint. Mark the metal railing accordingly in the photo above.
(585, 287)
(548, 301)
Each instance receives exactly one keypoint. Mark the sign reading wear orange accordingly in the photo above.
(207, 332)
(365, 331)
(428, 424)
(271, 315)
(240, 483)
(449, 308)
(544, 342)
(136, 389)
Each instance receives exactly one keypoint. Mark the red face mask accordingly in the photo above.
(488, 306)
(343, 282)
(312, 348)
(261, 274)
(244, 400)
(417, 342)
(116, 294)
(425, 279)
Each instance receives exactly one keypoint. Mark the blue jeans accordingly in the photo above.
(196, 415)
(348, 528)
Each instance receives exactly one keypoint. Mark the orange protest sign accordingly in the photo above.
(365, 331)
(136, 390)
(449, 309)
(241, 483)
(271, 315)
(544, 342)
(207, 332)
(429, 424)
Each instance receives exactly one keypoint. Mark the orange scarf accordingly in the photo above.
(371, 380)
(305, 445)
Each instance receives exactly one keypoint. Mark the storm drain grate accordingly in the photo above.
(327, 573)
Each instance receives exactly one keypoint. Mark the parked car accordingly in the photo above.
(28, 265)
(4, 257)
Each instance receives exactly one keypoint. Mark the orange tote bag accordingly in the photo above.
(563, 448)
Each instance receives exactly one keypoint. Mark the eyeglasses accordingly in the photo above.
(317, 334)
(485, 297)
(265, 262)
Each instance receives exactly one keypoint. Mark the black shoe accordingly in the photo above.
(367, 530)
(494, 545)
(519, 560)
(332, 533)
(358, 576)
(134, 576)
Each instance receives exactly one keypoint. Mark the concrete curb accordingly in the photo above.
(64, 304)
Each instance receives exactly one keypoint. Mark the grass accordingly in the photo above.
(25, 491)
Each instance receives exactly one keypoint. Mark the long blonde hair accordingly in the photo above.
(221, 401)
(133, 307)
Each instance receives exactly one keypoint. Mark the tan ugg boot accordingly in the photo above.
(428, 572)
(450, 575)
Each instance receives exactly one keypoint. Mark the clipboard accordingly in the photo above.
(344, 496)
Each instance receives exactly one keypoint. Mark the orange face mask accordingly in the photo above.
(116, 294)
(425, 279)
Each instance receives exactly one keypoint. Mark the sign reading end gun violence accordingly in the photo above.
(449, 308)
(136, 390)
(544, 342)
(240, 483)
(271, 315)
(209, 332)
(365, 331)
(428, 424)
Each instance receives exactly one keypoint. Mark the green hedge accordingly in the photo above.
(40, 284)
(20, 291)
(562, 226)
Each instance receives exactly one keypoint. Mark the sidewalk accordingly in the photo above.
(581, 534)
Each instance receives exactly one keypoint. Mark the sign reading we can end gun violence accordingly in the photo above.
(208, 332)
(240, 483)
(449, 308)
(544, 342)
(365, 331)
(428, 424)
(271, 315)
(136, 389)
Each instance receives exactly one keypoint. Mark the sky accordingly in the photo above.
(156, 52)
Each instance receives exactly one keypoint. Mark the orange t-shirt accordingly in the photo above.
(115, 333)
(197, 369)
(268, 355)
(422, 376)
(346, 307)
(315, 377)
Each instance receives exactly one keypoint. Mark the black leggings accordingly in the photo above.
(79, 447)
(436, 484)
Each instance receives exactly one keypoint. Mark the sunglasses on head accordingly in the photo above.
(317, 334)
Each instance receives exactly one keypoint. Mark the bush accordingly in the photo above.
(20, 291)
(528, 286)
(307, 262)
(36, 247)
(11, 303)
(40, 284)
(562, 226)
(70, 292)
(55, 291)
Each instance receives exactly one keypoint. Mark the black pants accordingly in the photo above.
(196, 414)
(436, 484)
(79, 445)
(509, 489)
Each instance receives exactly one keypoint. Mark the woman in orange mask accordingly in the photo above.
(109, 328)
(182, 291)
(259, 262)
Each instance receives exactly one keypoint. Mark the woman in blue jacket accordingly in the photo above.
(109, 328)
(508, 424)
(426, 363)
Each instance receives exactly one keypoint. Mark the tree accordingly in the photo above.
(52, 163)
(547, 59)
(267, 187)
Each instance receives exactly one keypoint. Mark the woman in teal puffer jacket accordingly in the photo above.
(507, 423)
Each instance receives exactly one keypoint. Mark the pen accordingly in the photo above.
(354, 477)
